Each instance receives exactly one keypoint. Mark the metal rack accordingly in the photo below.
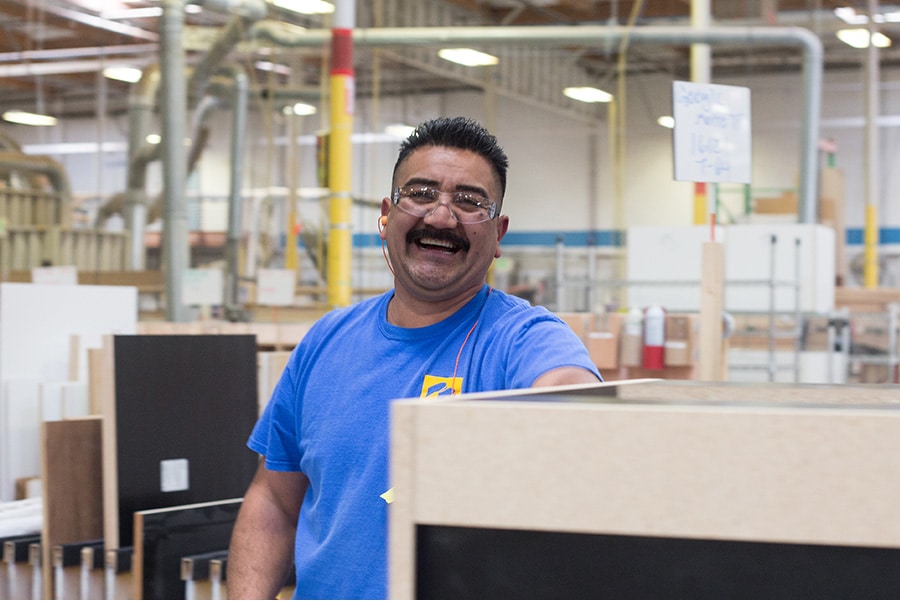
(837, 332)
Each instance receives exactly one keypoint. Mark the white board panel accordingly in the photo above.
(21, 436)
(36, 325)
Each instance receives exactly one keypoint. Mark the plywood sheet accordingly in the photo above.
(72, 479)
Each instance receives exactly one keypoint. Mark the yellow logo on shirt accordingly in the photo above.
(437, 386)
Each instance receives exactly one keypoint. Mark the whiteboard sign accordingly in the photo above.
(202, 287)
(275, 287)
(712, 132)
(61, 274)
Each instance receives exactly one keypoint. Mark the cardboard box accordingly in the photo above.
(677, 353)
(604, 349)
(581, 323)
(631, 350)
(782, 205)
(678, 326)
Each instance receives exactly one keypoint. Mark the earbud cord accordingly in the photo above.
(463, 345)
(386, 258)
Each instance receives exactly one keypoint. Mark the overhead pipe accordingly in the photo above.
(807, 41)
(38, 165)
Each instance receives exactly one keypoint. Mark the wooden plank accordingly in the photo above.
(104, 395)
(712, 300)
(71, 471)
(271, 364)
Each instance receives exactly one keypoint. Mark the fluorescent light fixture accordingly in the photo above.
(149, 12)
(26, 118)
(849, 15)
(468, 57)
(666, 121)
(588, 94)
(306, 7)
(273, 67)
(400, 131)
(859, 38)
(303, 109)
(153, 139)
(126, 74)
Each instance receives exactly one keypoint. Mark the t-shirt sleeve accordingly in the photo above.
(544, 343)
(275, 435)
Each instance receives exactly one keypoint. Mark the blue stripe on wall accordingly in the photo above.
(569, 239)
(887, 235)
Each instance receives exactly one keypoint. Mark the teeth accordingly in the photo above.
(435, 242)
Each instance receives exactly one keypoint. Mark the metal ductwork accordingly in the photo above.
(38, 165)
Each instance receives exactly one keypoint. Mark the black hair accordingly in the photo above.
(457, 132)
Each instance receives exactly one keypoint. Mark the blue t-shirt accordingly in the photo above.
(329, 416)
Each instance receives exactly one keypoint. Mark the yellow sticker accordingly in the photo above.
(437, 386)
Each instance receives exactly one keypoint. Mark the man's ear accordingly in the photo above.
(502, 226)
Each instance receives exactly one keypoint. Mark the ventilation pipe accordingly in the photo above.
(176, 250)
(175, 246)
(141, 103)
(38, 165)
(238, 137)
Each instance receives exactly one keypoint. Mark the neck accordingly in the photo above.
(408, 312)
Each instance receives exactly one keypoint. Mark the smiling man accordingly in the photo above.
(321, 491)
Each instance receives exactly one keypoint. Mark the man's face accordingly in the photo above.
(435, 257)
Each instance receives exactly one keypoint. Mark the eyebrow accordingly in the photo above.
(422, 181)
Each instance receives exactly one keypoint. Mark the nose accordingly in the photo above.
(434, 217)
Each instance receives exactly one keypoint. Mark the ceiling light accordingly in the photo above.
(468, 57)
(126, 74)
(849, 15)
(859, 38)
(272, 67)
(148, 12)
(153, 139)
(588, 94)
(400, 131)
(667, 121)
(303, 109)
(306, 7)
(26, 118)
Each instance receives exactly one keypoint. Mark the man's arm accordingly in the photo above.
(262, 543)
(565, 375)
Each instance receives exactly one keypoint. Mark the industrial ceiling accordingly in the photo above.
(52, 52)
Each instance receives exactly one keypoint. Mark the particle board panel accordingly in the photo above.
(71, 473)
(178, 419)
(164, 536)
(769, 471)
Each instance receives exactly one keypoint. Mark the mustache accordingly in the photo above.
(446, 235)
